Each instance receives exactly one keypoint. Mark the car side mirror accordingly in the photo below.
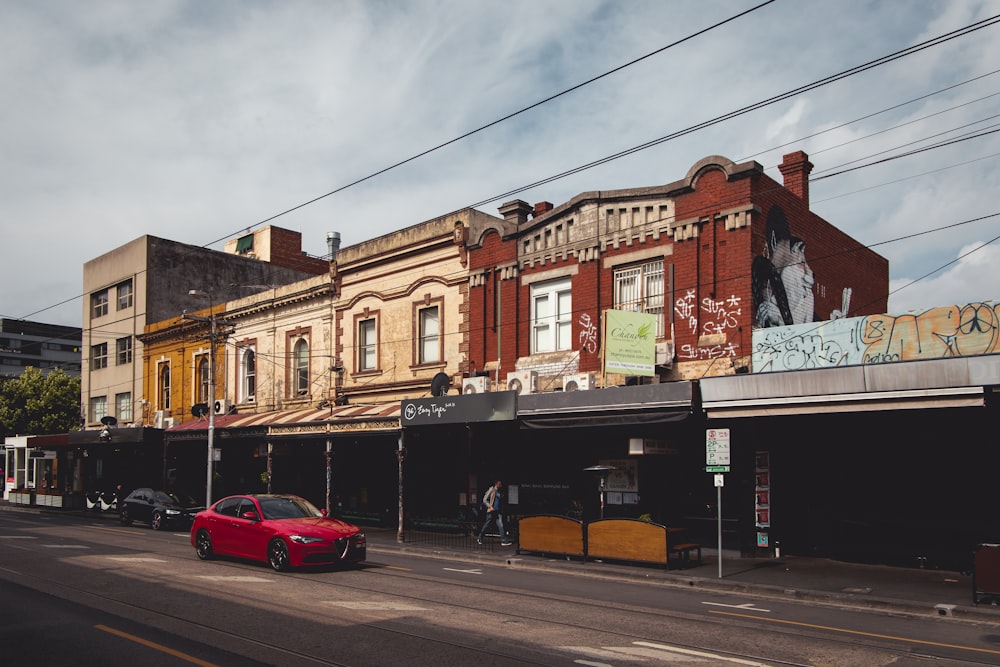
(250, 516)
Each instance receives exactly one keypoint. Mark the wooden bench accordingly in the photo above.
(683, 551)
(627, 540)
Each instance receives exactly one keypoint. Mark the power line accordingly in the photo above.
(507, 117)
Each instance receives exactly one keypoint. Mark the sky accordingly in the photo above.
(197, 121)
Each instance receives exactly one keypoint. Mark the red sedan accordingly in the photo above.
(283, 531)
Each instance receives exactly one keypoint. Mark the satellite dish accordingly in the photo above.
(440, 384)
(108, 420)
(199, 410)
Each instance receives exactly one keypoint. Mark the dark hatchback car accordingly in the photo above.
(160, 509)
(283, 531)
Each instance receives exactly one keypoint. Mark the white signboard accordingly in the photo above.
(717, 447)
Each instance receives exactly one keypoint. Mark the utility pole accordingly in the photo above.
(213, 335)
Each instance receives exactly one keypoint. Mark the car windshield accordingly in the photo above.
(177, 499)
(287, 508)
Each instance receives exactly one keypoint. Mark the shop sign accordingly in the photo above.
(462, 409)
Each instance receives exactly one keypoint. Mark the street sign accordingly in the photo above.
(720, 480)
(716, 468)
(717, 448)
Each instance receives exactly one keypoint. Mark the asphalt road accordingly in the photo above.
(76, 591)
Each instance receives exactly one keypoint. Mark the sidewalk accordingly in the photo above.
(912, 590)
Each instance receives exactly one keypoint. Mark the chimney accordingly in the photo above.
(795, 167)
(333, 244)
(542, 207)
(516, 211)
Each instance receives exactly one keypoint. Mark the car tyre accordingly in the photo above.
(156, 523)
(124, 517)
(203, 545)
(277, 555)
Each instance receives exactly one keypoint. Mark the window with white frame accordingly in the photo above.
(203, 378)
(300, 367)
(123, 406)
(429, 335)
(98, 356)
(124, 294)
(641, 289)
(98, 408)
(99, 303)
(551, 316)
(367, 345)
(248, 375)
(124, 349)
(164, 386)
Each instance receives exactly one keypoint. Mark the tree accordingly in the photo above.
(39, 404)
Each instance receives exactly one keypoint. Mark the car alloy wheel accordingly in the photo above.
(157, 521)
(277, 555)
(126, 521)
(203, 545)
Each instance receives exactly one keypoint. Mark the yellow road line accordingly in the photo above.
(874, 635)
(155, 646)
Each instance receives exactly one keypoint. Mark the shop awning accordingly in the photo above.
(610, 406)
(307, 421)
(909, 385)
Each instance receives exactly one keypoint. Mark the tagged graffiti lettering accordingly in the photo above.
(945, 331)
(588, 334)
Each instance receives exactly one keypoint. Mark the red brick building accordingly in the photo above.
(713, 255)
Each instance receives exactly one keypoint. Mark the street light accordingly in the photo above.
(213, 335)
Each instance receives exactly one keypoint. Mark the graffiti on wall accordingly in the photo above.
(945, 331)
(712, 316)
(588, 334)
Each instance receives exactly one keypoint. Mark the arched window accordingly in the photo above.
(203, 380)
(300, 361)
(248, 375)
(165, 387)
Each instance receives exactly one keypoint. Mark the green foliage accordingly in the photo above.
(39, 404)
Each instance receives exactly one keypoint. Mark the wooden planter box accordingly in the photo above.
(557, 535)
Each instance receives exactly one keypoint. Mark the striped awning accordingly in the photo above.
(306, 421)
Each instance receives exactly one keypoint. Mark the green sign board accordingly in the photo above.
(629, 342)
(716, 468)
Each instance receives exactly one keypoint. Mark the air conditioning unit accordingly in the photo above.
(223, 406)
(579, 382)
(665, 353)
(477, 385)
(523, 382)
(158, 417)
(169, 422)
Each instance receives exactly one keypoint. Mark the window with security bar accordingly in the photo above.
(640, 289)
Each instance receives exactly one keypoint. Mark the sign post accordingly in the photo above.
(717, 462)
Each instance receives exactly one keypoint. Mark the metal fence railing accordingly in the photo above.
(453, 535)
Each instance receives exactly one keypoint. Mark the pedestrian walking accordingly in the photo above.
(491, 499)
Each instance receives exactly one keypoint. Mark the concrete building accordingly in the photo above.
(43, 346)
(150, 280)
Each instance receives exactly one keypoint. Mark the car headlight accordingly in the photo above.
(304, 539)
(173, 512)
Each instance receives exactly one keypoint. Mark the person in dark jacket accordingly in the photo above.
(491, 499)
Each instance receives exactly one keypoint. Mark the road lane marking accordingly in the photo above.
(18, 537)
(156, 647)
(472, 571)
(243, 579)
(702, 654)
(362, 605)
(749, 606)
(640, 651)
(136, 559)
(860, 633)
(64, 546)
